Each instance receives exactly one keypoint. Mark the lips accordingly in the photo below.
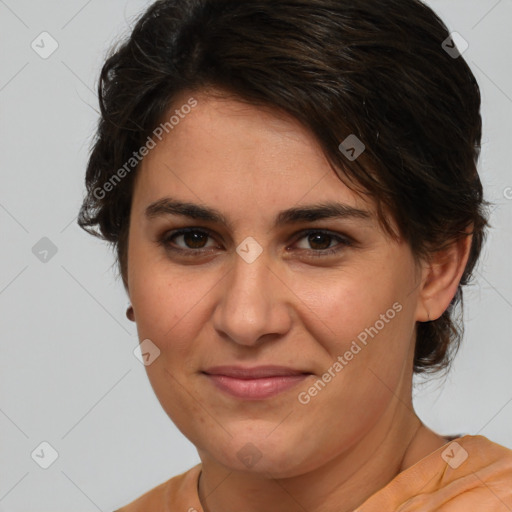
(254, 383)
(258, 372)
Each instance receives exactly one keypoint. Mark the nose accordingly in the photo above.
(253, 303)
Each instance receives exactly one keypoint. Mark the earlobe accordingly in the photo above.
(129, 313)
(442, 275)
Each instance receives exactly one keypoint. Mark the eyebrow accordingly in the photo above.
(308, 213)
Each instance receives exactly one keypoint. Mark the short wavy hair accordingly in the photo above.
(380, 70)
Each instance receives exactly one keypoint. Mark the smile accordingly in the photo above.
(256, 383)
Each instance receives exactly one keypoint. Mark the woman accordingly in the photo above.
(292, 192)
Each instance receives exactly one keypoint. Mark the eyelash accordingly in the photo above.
(166, 239)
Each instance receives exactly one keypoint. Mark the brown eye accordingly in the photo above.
(195, 239)
(320, 241)
(187, 240)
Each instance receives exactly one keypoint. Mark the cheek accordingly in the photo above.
(169, 304)
(162, 307)
(170, 313)
(357, 304)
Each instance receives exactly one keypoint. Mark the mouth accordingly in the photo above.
(257, 383)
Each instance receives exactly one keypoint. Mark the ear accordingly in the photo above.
(130, 314)
(441, 276)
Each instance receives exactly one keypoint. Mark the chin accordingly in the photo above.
(278, 456)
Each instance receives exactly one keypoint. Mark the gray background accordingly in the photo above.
(68, 373)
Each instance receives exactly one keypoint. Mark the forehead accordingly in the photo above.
(232, 155)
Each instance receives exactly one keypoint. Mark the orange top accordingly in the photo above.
(465, 475)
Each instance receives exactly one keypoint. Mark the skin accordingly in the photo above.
(287, 308)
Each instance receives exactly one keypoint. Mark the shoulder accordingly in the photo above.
(179, 490)
(477, 474)
(468, 473)
(477, 456)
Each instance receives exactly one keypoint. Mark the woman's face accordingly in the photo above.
(330, 298)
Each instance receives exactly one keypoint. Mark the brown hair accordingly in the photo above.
(374, 69)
